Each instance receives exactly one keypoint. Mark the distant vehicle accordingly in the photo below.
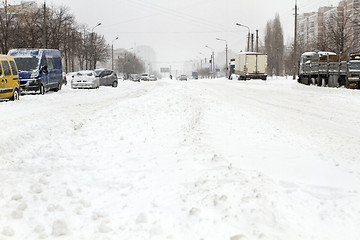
(183, 78)
(251, 65)
(145, 77)
(195, 75)
(9, 78)
(330, 69)
(134, 77)
(85, 79)
(152, 78)
(39, 69)
(107, 77)
(231, 68)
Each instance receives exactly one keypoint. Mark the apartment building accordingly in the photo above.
(314, 27)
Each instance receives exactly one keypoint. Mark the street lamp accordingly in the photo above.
(212, 61)
(95, 27)
(248, 42)
(93, 44)
(226, 50)
(112, 53)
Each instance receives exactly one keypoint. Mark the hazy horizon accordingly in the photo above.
(179, 30)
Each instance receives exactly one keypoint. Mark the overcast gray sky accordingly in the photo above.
(179, 29)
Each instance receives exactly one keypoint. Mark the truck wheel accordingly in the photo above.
(15, 96)
(319, 81)
(114, 84)
(42, 89)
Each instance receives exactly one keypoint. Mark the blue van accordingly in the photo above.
(39, 69)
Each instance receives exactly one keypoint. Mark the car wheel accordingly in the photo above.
(42, 89)
(58, 87)
(15, 96)
(114, 84)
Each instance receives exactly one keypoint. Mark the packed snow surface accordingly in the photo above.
(199, 159)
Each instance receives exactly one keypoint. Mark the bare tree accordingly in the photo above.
(339, 32)
(274, 46)
(7, 26)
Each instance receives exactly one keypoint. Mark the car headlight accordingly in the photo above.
(35, 74)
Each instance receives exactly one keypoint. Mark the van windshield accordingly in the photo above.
(27, 64)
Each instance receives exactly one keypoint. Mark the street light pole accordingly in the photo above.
(204, 56)
(248, 42)
(212, 61)
(112, 53)
(125, 61)
(93, 44)
(226, 52)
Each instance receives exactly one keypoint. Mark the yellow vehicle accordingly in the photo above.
(9, 78)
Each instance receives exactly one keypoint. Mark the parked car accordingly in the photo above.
(9, 78)
(85, 79)
(152, 78)
(145, 77)
(134, 77)
(183, 78)
(39, 69)
(107, 77)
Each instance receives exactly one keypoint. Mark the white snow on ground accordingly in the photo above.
(206, 159)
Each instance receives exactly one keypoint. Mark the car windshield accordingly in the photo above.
(98, 72)
(27, 64)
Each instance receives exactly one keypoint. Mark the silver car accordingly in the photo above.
(183, 78)
(107, 77)
(152, 78)
(85, 79)
(145, 77)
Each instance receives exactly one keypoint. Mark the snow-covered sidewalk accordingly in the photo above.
(206, 159)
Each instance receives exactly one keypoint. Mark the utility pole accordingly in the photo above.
(252, 42)
(45, 27)
(5, 50)
(295, 42)
(257, 40)
(213, 61)
(226, 53)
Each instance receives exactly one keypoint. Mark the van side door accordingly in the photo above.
(51, 73)
(15, 73)
(44, 74)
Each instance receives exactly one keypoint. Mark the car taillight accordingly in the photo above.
(354, 75)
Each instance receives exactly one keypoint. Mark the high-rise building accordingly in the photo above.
(315, 27)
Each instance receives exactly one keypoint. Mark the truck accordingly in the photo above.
(329, 69)
(251, 65)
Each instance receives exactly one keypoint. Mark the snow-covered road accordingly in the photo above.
(206, 159)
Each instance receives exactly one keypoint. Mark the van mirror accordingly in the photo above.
(44, 69)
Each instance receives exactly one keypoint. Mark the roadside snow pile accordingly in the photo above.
(206, 159)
